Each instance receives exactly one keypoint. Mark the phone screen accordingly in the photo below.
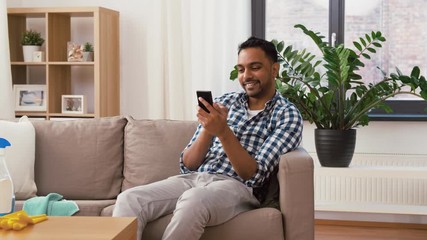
(207, 95)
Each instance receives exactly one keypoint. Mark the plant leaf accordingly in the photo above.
(287, 50)
(371, 50)
(394, 76)
(368, 38)
(363, 41)
(234, 73)
(415, 72)
(377, 44)
(358, 46)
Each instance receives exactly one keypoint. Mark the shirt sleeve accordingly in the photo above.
(182, 167)
(285, 137)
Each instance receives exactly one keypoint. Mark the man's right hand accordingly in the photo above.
(215, 122)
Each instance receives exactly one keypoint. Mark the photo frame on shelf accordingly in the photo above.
(30, 97)
(74, 52)
(74, 104)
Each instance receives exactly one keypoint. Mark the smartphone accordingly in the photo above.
(207, 95)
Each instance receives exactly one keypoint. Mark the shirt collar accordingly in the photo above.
(243, 100)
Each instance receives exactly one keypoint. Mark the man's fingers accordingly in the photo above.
(221, 108)
(207, 105)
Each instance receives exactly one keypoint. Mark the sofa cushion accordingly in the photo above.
(20, 155)
(81, 159)
(108, 211)
(152, 149)
(261, 223)
(93, 207)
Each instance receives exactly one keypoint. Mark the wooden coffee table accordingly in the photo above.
(77, 228)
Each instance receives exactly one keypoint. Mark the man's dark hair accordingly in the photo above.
(266, 46)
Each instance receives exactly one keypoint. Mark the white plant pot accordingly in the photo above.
(28, 52)
(88, 56)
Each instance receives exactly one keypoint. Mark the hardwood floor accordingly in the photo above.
(350, 230)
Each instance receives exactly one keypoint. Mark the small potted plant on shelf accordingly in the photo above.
(87, 52)
(330, 93)
(31, 42)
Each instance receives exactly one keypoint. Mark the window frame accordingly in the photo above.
(403, 110)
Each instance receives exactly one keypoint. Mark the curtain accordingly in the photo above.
(192, 45)
(6, 95)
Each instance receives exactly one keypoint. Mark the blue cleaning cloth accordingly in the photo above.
(52, 205)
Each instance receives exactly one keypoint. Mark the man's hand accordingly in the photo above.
(215, 122)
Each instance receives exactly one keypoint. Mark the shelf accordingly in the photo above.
(87, 115)
(29, 113)
(29, 63)
(73, 63)
(98, 81)
(53, 63)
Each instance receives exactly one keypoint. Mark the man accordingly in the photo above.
(229, 160)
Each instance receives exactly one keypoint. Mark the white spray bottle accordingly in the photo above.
(7, 196)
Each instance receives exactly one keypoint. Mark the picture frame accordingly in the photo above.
(30, 97)
(74, 104)
(74, 52)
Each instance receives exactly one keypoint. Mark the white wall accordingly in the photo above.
(135, 16)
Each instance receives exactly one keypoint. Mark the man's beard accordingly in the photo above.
(252, 87)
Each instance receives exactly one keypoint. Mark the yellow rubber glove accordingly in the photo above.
(19, 225)
(19, 220)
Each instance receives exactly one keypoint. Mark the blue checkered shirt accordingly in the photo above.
(272, 132)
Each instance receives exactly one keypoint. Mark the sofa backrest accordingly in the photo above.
(81, 159)
(152, 149)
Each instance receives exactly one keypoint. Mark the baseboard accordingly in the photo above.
(371, 224)
(371, 217)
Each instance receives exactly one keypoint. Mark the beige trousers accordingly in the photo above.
(196, 200)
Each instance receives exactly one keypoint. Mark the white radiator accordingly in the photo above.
(374, 183)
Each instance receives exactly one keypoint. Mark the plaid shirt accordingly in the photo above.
(272, 132)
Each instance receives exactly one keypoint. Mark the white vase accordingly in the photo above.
(28, 52)
(88, 56)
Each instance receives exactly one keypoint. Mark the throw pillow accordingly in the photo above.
(20, 156)
(152, 149)
(81, 159)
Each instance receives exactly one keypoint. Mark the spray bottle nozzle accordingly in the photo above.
(4, 143)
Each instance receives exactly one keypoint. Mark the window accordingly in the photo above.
(402, 22)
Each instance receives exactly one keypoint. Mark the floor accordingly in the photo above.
(337, 232)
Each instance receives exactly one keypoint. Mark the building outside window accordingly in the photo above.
(403, 23)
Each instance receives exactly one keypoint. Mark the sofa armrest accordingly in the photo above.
(295, 176)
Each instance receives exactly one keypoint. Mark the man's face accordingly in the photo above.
(256, 73)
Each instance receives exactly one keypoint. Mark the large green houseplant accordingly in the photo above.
(330, 93)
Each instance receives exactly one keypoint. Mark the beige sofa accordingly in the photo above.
(92, 161)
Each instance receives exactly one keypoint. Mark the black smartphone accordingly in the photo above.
(207, 95)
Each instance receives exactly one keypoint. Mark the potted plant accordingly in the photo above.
(330, 93)
(87, 52)
(31, 41)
